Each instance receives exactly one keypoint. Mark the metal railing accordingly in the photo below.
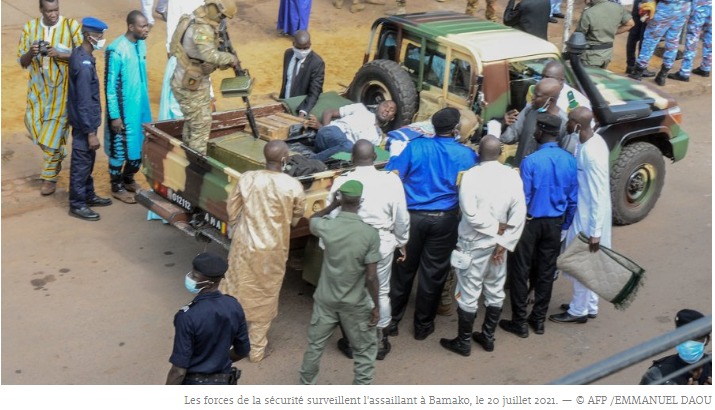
(692, 331)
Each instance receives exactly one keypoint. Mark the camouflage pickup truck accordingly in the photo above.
(427, 61)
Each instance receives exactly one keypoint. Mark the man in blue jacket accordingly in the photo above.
(85, 116)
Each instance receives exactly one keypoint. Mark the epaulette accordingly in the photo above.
(186, 307)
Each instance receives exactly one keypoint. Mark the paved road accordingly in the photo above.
(92, 303)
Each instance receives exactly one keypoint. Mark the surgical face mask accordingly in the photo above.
(191, 285)
(98, 44)
(545, 106)
(690, 351)
(301, 54)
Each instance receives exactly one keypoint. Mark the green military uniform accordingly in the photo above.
(197, 57)
(599, 24)
(341, 296)
(490, 13)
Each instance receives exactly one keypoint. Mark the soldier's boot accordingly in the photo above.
(486, 337)
(462, 344)
(637, 72)
(678, 77)
(699, 71)
(384, 345)
(662, 75)
(344, 344)
(338, 4)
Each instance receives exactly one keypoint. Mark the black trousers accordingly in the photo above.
(635, 37)
(536, 252)
(81, 166)
(433, 236)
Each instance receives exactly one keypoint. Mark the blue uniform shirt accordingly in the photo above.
(550, 184)
(205, 331)
(83, 107)
(429, 169)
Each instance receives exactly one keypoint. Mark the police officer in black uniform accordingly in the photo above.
(689, 352)
(211, 331)
(84, 113)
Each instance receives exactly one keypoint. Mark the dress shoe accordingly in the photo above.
(99, 201)
(422, 333)
(84, 213)
(392, 329)
(518, 329)
(558, 15)
(568, 318)
(344, 346)
(132, 186)
(565, 307)
(537, 326)
(48, 188)
(124, 196)
(553, 20)
(699, 71)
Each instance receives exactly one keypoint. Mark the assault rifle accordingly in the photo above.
(227, 47)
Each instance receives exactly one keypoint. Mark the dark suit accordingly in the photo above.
(531, 16)
(308, 82)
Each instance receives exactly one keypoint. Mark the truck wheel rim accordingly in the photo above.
(375, 92)
(638, 189)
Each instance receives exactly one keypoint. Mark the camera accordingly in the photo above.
(43, 45)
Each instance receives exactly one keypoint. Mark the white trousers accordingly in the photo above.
(584, 301)
(147, 9)
(480, 275)
(384, 271)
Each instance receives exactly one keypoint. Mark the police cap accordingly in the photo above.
(550, 124)
(210, 265)
(686, 316)
(93, 25)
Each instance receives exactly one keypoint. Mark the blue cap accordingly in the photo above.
(94, 25)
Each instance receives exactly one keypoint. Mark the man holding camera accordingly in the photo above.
(44, 50)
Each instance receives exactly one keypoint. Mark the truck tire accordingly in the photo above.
(637, 178)
(381, 80)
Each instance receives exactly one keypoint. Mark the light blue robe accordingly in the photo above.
(127, 94)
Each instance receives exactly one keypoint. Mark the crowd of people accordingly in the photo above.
(437, 209)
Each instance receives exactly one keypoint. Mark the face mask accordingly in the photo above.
(99, 44)
(690, 351)
(301, 54)
(191, 285)
(545, 106)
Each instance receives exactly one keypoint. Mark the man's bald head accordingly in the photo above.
(554, 69)
(582, 116)
(275, 151)
(489, 148)
(301, 39)
(548, 87)
(363, 153)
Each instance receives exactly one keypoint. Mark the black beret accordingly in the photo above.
(445, 120)
(550, 124)
(686, 316)
(210, 265)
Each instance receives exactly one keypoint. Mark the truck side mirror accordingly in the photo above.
(576, 44)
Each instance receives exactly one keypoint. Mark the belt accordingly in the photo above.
(602, 46)
(437, 213)
(208, 378)
(529, 217)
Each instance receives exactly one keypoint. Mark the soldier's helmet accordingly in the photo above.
(226, 7)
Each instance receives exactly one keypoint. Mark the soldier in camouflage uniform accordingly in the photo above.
(600, 22)
(490, 13)
(700, 22)
(197, 55)
(668, 22)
